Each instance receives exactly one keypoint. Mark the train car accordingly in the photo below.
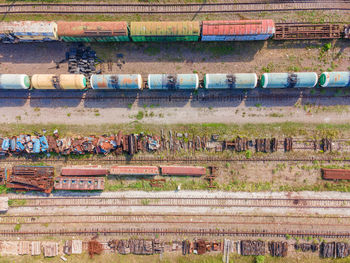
(173, 82)
(238, 30)
(116, 81)
(231, 81)
(183, 170)
(165, 31)
(289, 80)
(72, 81)
(335, 79)
(134, 170)
(336, 174)
(80, 183)
(14, 81)
(93, 31)
(45, 81)
(89, 170)
(28, 31)
(63, 81)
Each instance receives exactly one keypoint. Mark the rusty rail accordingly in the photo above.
(175, 231)
(301, 203)
(106, 8)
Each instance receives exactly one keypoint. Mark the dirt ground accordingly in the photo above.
(200, 58)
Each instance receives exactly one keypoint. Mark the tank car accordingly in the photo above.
(116, 81)
(173, 82)
(289, 80)
(335, 79)
(14, 81)
(230, 81)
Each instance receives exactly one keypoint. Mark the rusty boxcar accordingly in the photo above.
(81, 183)
(238, 30)
(89, 170)
(93, 31)
(335, 174)
(134, 170)
(183, 170)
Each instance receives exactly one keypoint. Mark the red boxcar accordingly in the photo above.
(81, 183)
(183, 170)
(91, 170)
(336, 174)
(238, 30)
(135, 170)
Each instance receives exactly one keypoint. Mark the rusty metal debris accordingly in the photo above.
(94, 247)
(137, 246)
(212, 175)
(29, 178)
(252, 247)
(305, 247)
(278, 249)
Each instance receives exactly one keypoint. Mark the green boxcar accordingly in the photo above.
(165, 31)
(93, 31)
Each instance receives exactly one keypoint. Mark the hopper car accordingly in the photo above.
(173, 82)
(167, 31)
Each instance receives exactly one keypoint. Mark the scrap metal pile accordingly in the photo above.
(81, 60)
(334, 250)
(134, 143)
(137, 246)
(31, 178)
(252, 247)
(278, 249)
(305, 247)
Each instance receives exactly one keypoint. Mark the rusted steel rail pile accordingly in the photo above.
(106, 8)
(335, 174)
(31, 178)
(133, 143)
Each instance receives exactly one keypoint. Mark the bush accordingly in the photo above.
(260, 259)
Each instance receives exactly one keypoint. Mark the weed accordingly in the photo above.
(288, 236)
(260, 259)
(195, 71)
(248, 154)
(269, 68)
(17, 202)
(36, 109)
(18, 118)
(276, 115)
(139, 115)
(97, 114)
(129, 106)
(69, 114)
(258, 105)
(145, 201)
(17, 227)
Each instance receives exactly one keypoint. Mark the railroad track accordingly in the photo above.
(302, 203)
(105, 8)
(175, 231)
(171, 219)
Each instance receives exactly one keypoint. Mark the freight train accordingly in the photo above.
(166, 31)
(83, 178)
(177, 81)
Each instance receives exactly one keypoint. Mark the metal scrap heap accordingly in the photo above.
(305, 247)
(252, 247)
(31, 178)
(278, 249)
(137, 246)
(334, 250)
(24, 144)
(81, 60)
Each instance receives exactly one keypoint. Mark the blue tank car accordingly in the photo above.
(289, 80)
(230, 81)
(173, 82)
(116, 81)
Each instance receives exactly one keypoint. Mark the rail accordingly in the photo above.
(106, 8)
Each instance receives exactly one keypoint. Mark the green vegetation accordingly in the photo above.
(225, 131)
(3, 189)
(17, 202)
(260, 259)
(139, 115)
(17, 227)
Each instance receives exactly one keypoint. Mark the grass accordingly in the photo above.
(226, 131)
(17, 202)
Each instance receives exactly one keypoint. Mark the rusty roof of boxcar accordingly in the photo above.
(183, 170)
(130, 170)
(180, 28)
(27, 26)
(238, 27)
(92, 28)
